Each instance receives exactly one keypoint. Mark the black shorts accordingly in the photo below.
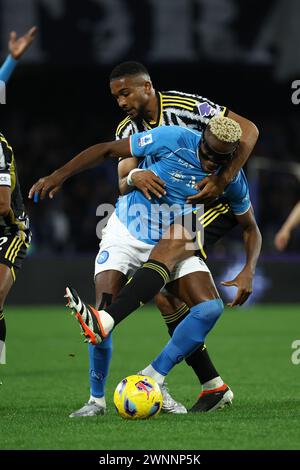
(209, 225)
(212, 225)
(13, 250)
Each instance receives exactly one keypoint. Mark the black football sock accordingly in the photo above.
(142, 287)
(202, 365)
(199, 360)
(2, 337)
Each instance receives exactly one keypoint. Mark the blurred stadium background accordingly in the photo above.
(243, 54)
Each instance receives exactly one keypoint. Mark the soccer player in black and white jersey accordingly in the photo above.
(14, 224)
(17, 47)
(14, 230)
(146, 108)
(131, 85)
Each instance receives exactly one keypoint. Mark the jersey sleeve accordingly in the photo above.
(124, 129)
(5, 162)
(237, 193)
(206, 109)
(7, 68)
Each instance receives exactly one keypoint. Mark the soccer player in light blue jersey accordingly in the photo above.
(147, 108)
(173, 155)
(181, 157)
(17, 47)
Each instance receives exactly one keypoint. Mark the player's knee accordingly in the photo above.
(209, 310)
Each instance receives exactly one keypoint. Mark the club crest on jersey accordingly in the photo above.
(206, 110)
(103, 256)
(145, 140)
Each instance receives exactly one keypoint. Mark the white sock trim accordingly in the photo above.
(107, 321)
(213, 383)
(100, 401)
(151, 372)
(2, 352)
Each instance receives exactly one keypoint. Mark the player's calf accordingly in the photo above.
(2, 338)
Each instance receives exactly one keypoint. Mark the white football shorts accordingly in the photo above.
(121, 251)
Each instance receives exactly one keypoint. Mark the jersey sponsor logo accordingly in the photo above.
(145, 140)
(177, 176)
(103, 257)
(206, 110)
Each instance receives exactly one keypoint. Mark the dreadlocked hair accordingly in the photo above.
(225, 129)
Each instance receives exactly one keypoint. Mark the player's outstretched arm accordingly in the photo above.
(283, 235)
(5, 200)
(252, 242)
(248, 140)
(213, 186)
(125, 166)
(17, 46)
(92, 156)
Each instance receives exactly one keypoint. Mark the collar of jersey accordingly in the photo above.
(152, 124)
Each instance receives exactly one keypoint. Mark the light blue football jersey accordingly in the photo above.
(171, 152)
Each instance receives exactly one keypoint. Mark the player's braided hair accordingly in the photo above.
(128, 68)
(225, 129)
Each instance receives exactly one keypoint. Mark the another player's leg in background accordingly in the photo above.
(107, 285)
(174, 311)
(6, 282)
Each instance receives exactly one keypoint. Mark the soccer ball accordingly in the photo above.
(138, 397)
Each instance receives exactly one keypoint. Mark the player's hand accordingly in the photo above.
(48, 185)
(281, 239)
(147, 182)
(17, 46)
(209, 189)
(243, 282)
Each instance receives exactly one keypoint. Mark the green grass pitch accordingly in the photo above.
(46, 378)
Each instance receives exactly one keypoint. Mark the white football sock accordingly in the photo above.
(213, 383)
(107, 321)
(100, 401)
(151, 372)
(2, 352)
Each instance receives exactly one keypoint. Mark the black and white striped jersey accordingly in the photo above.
(16, 220)
(175, 109)
(193, 111)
